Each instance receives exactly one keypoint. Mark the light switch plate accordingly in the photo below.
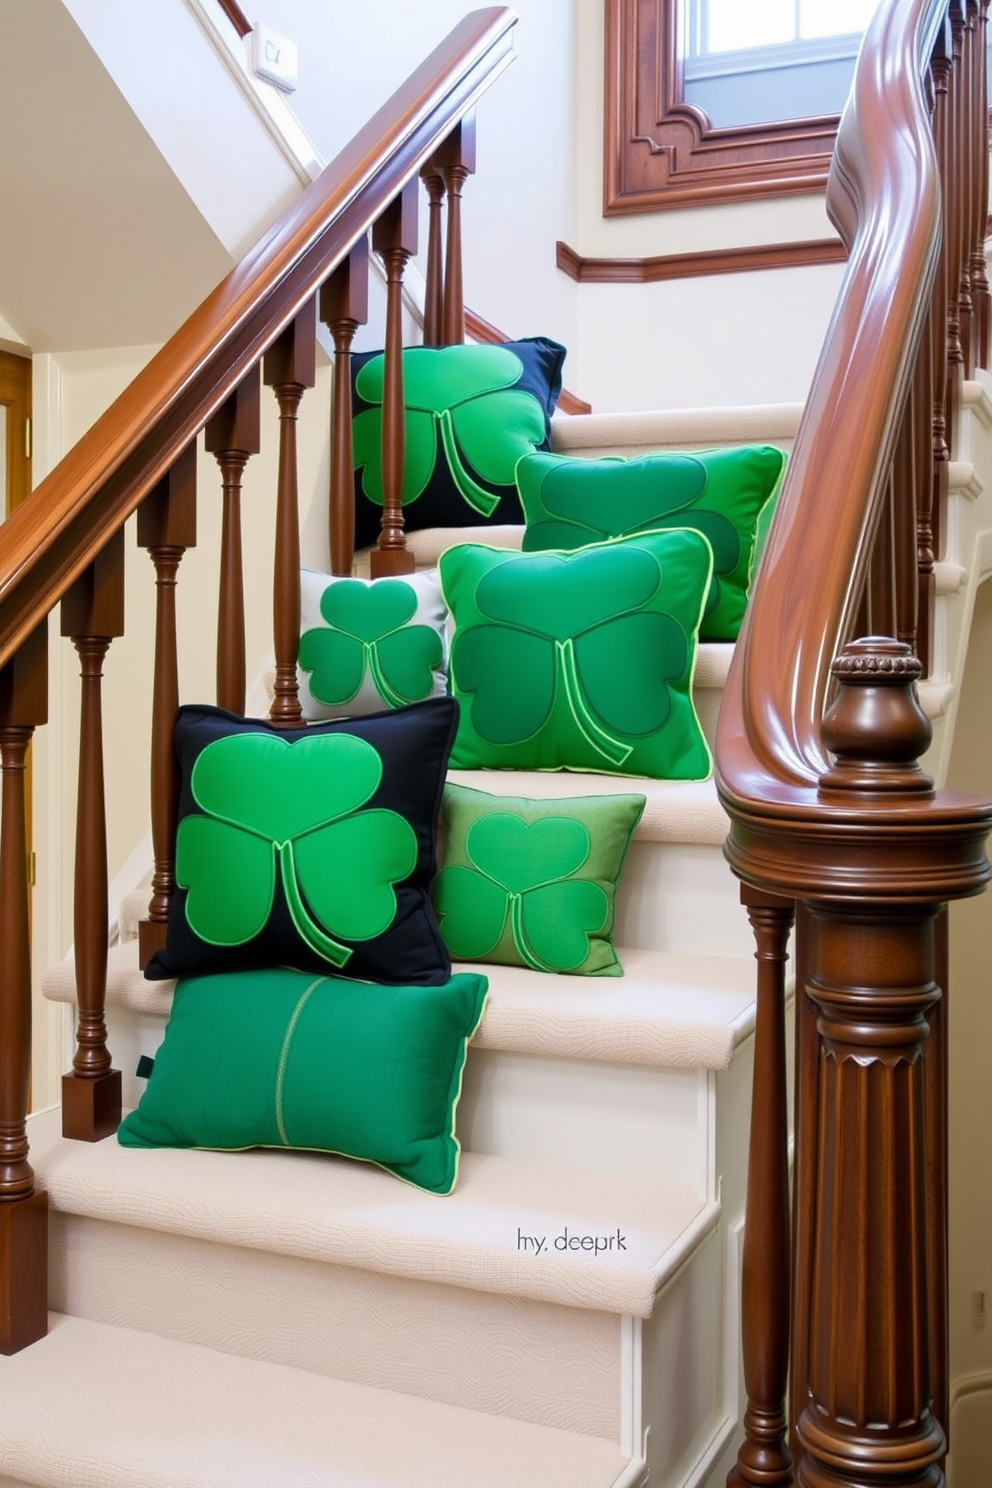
(275, 57)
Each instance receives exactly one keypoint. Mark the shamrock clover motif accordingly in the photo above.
(572, 623)
(588, 501)
(369, 632)
(291, 807)
(464, 397)
(522, 873)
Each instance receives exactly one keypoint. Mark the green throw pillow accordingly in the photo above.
(533, 883)
(287, 1059)
(570, 502)
(369, 644)
(579, 661)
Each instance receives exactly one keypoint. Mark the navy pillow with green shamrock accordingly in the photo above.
(579, 661)
(369, 644)
(533, 882)
(312, 848)
(471, 412)
(571, 502)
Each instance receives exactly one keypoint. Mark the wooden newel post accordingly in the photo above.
(764, 1460)
(289, 368)
(868, 1414)
(394, 238)
(92, 615)
(166, 528)
(23, 1208)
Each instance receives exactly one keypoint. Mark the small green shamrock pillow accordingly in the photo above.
(369, 644)
(286, 1058)
(313, 847)
(471, 412)
(533, 883)
(570, 502)
(579, 661)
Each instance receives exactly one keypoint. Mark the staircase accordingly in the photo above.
(291, 1318)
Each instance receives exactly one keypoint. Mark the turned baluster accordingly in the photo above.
(344, 306)
(434, 283)
(394, 238)
(940, 73)
(764, 1457)
(905, 556)
(882, 577)
(980, 154)
(868, 1418)
(920, 574)
(954, 226)
(456, 162)
(23, 1207)
(166, 528)
(92, 615)
(289, 368)
(232, 436)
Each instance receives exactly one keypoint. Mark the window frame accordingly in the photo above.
(660, 152)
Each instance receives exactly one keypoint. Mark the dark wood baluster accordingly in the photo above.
(232, 436)
(882, 578)
(434, 295)
(940, 72)
(764, 1457)
(166, 528)
(344, 306)
(456, 161)
(871, 979)
(924, 457)
(980, 154)
(394, 238)
(953, 221)
(23, 1207)
(92, 615)
(966, 145)
(289, 368)
(905, 556)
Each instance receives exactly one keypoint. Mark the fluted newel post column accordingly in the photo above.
(23, 1207)
(289, 368)
(92, 615)
(868, 1414)
(394, 238)
(232, 436)
(166, 528)
(344, 306)
(764, 1459)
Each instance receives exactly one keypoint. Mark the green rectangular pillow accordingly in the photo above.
(533, 882)
(579, 661)
(722, 493)
(285, 1058)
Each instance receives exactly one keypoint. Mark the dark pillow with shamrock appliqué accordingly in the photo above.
(471, 412)
(533, 883)
(312, 848)
(570, 502)
(579, 661)
(284, 1058)
(369, 644)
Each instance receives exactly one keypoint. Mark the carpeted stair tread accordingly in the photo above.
(184, 1416)
(668, 1011)
(330, 1209)
(631, 434)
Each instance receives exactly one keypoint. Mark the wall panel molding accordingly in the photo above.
(698, 265)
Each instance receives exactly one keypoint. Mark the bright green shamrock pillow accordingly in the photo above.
(569, 502)
(313, 847)
(369, 644)
(471, 412)
(285, 1058)
(533, 883)
(579, 661)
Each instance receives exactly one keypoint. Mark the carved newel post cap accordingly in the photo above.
(875, 728)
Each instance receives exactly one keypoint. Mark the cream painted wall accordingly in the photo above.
(970, 1021)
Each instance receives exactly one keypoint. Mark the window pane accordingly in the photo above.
(834, 17)
(733, 25)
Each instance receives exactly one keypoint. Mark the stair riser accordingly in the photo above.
(681, 896)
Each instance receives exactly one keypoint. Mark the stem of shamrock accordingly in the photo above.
(388, 695)
(309, 930)
(604, 743)
(520, 935)
(477, 496)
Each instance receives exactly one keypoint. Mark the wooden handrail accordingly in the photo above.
(55, 534)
